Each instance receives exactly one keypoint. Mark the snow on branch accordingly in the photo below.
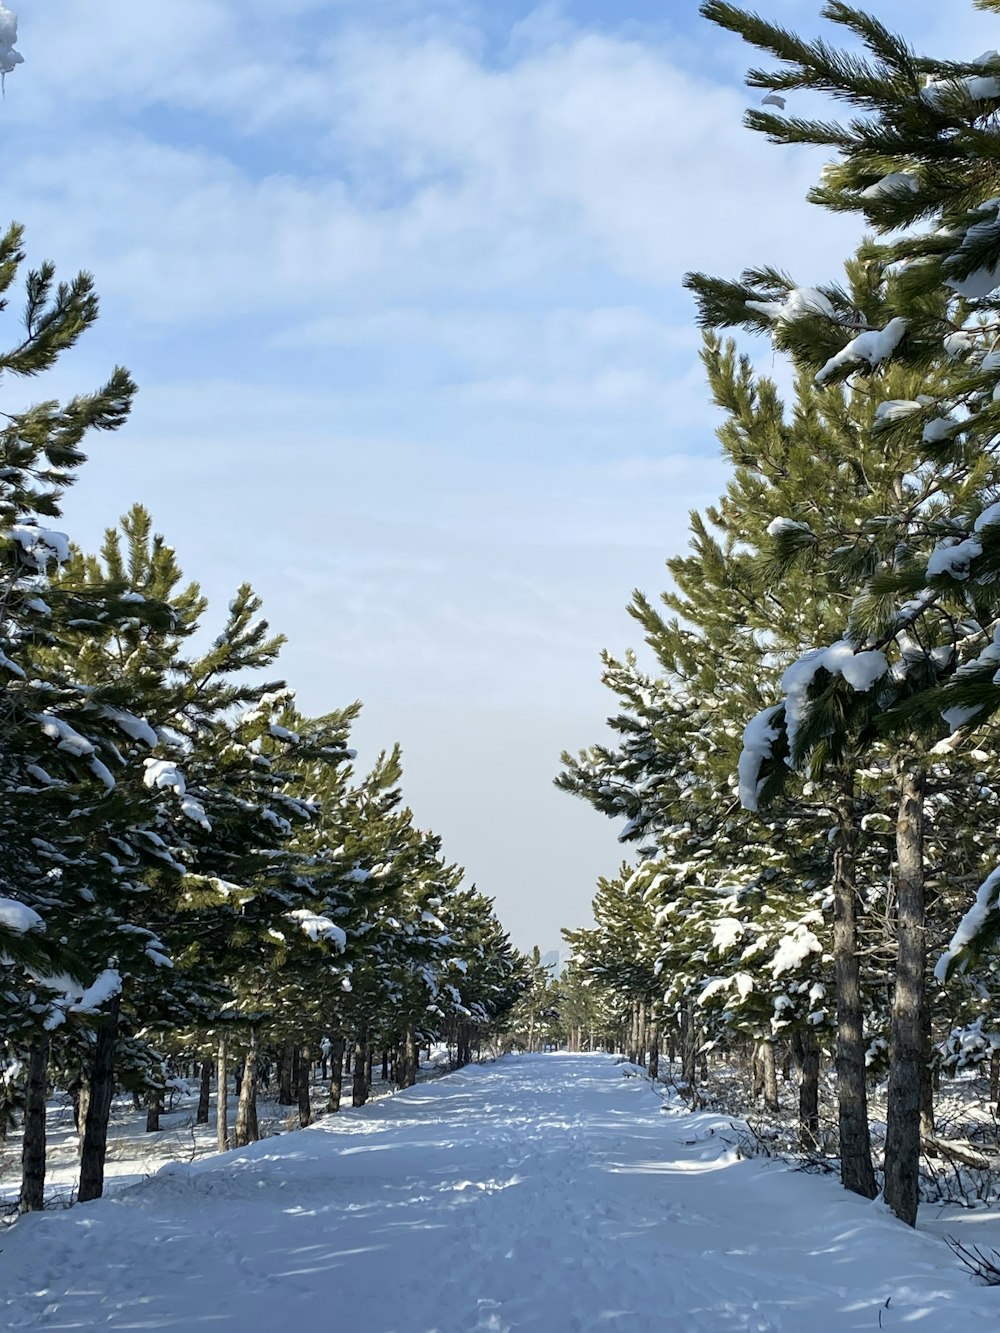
(985, 909)
(798, 301)
(873, 346)
(859, 668)
(19, 918)
(759, 737)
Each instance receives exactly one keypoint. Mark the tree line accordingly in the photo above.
(192, 872)
(808, 771)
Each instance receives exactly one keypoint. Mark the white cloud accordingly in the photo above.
(432, 173)
(445, 409)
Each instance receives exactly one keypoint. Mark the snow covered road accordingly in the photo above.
(539, 1193)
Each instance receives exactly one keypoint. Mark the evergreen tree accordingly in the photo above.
(910, 159)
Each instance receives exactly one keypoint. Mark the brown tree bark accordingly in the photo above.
(246, 1130)
(856, 1170)
(286, 1074)
(80, 1108)
(33, 1145)
(906, 1046)
(359, 1089)
(336, 1072)
(222, 1093)
(409, 1062)
(102, 1087)
(302, 1087)
(154, 1108)
(769, 1074)
(204, 1093)
(806, 1051)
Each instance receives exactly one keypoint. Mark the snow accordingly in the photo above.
(714, 987)
(40, 545)
(538, 1193)
(959, 716)
(989, 516)
(780, 525)
(953, 557)
(758, 738)
(69, 740)
(106, 986)
(10, 666)
(979, 87)
(193, 809)
(162, 774)
(895, 409)
(971, 924)
(958, 344)
(860, 669)
(941, 428)
(794, 949)
(319, 927)
(798, 302)
(896, 183)
(135, 727)
(728, 932)
(102, 772)
(983, 281)
(17, 917)
(873, 346)
(743, 982)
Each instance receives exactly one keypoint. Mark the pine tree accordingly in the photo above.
(911, 159)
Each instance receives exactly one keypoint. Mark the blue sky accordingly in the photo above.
(400, 281)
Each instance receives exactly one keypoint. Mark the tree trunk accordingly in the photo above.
(82, 1106)
(204, 1093)
(906, 1047)
(154, 1108)
(302, 1088)
(409, 1071)
(286, 1075)
(336, 1072)
(806, 1051)
(385, 1064)
(359, 1090)
(756, 1073)
(654, 1051)
(102, 1087)
(222, 1094)
(632, 1050)
(33, 1146)
(856, 1170)
(246, 1130)
(928, 1082)
(769, 1074)
(689, 1048)
(995, 1080)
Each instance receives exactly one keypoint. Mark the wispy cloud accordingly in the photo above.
(401, 285)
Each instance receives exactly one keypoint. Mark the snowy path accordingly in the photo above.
(541, 1193)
